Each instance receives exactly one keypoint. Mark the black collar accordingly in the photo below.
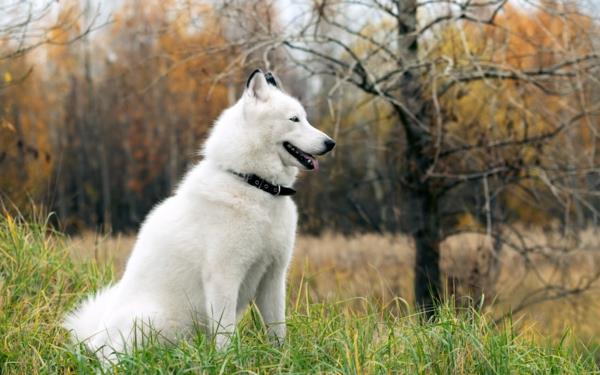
(260, 183)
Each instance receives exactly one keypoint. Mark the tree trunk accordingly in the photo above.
(427, 242)
(21, 145)
(80, 150)
(372, 176)
(173, 162)
(416, 116)
(97, 128)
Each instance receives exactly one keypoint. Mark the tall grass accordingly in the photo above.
(380, 267)
(39, 282)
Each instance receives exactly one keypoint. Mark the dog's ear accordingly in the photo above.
(270, 77)
(257, 85)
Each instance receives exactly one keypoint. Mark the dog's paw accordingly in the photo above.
(276, 334)
(222, 341)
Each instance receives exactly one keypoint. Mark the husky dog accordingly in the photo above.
(224, 239)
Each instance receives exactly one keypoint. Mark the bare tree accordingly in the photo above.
(421, 58)
(26, 25)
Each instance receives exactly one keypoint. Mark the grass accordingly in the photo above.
(380, 268)
(40, 282)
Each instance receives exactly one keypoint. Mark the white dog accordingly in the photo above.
(224, 239)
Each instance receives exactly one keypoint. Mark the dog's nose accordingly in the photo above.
(329, 145)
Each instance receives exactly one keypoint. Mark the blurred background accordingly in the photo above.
(466, 165)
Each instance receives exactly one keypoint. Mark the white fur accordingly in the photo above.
(217, 244)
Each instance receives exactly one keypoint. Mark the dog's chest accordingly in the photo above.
(279, 230)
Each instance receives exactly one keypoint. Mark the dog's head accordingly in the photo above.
(280, 120)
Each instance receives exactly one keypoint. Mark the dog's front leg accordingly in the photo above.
(221, 300)
(270, 300)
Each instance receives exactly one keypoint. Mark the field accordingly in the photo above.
(344, 316)
(333, 267)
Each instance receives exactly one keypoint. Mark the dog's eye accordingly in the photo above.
(294, 119)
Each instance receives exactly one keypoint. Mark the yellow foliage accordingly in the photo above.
(467, 221)
(484, 112)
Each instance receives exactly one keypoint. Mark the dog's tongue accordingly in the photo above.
(315, 163)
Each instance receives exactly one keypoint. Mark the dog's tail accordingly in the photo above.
(86, 320)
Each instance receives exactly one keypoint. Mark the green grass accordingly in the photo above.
(39, 283)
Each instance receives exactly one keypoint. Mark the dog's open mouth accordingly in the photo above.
(306, 159)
